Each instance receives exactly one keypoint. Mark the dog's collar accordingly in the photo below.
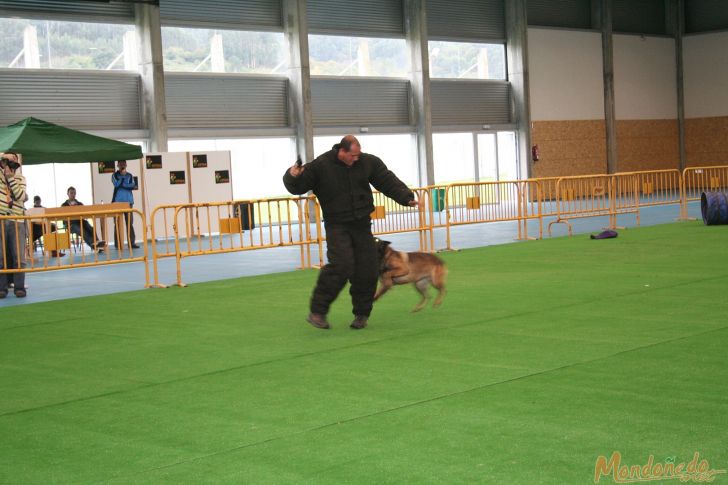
(405, 257)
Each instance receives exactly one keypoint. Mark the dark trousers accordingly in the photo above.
(88, 232)
(352, 256)
(37, 231)
(13, 254)
(129, 218)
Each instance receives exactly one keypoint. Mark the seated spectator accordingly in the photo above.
(88, 232)
(37, 228)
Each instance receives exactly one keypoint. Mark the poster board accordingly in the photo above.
(167, 182)
(211, 181)
(103, 191)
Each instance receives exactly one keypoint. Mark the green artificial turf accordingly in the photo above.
(544, 355)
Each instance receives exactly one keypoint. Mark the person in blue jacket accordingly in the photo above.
(123, 185)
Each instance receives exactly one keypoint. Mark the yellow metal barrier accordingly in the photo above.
(593, 196)
(224, 227)
(472, 203)
(195, 229)
(659, 187)
(539, 200)
(389, 217)
(649, 188)
(625, 197)
(696, 180)
(163, 237)
(437, 199)
(56, 237)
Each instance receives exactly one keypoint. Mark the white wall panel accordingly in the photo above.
(205, 187)
(565, 75)
(645, 82)
(159, 190)
(705, 74)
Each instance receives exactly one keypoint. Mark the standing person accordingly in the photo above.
(12, 203)
(340, 179)
(123, 185)
(37, 227)
(82, 226)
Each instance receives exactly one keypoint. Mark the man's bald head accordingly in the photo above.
(348, 150)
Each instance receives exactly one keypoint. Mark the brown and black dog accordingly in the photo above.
(421, 269)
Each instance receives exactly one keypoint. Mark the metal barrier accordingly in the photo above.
(58, 233)
(437, 198)
(232, 226)
(539, 200)
(659, 187)
(389, 217)
(471, 203)
(186, 230)
(696, 180)
(592, 196)
(647, 189)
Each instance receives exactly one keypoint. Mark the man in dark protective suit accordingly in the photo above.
(340, 179)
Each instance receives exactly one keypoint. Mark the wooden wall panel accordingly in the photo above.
(579, 147)
(575, 147)
(706, 141)
(647, 145)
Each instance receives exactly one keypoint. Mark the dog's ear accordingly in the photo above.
(381, 245)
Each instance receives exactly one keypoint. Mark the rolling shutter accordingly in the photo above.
(639, 16)
(360, 101)
(99, 100)
(232, 14)
(706, 15)
(372, 18)
(466, 102)
(575, 14)
(469, 21)
(226, 100)
(63, 9)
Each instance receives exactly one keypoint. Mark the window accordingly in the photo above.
(258, 164)
(47, 44)
(467, 61)
(51, 181)
(205, 50)
(358, 56)
(487, 157)
(507, 156)
(497, 156)
(398, 152)
(453, 157)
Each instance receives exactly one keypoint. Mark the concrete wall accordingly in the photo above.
(565, 69)
(567, 101)
(705, 60)
(645, 93)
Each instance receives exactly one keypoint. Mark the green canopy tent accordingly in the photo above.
(42, 142)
